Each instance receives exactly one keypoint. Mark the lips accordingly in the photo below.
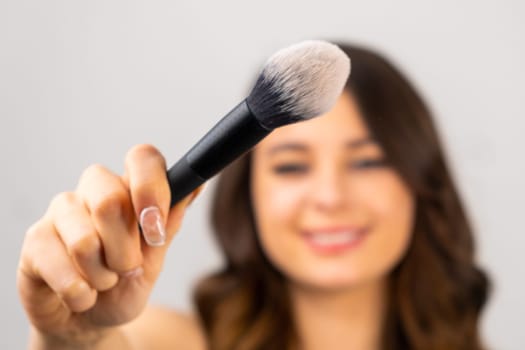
(334, 239)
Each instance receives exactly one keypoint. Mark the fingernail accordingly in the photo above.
(152, 226)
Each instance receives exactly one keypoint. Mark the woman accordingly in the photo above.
(341, 232)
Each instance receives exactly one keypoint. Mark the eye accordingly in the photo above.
(368, 163)
(291, 168)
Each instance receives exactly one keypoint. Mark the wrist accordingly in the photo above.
(79, 340)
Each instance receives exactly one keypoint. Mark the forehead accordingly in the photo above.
(342, 123)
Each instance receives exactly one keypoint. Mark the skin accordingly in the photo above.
(322, 175)
(84, 268)
(90, 289)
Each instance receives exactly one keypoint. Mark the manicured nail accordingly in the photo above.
(152, 227)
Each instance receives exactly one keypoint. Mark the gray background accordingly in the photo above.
(82, 81)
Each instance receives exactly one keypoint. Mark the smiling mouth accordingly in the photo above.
(334, 240)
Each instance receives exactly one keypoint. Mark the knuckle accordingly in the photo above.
(93, 170)
(34, 230)
(34, 244)
(33, 238)
(86, 247)
(38, 232)
(62, 199)
(77, 295)
(110, 205)
(90, 177)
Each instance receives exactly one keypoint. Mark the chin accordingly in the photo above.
(335, 281)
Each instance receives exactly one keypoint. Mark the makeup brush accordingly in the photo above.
(297, 83)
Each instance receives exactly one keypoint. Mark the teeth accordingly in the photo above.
(331, 238)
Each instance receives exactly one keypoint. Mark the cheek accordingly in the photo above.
(276, 204)
(282, 201)
(386, 195)
(277, 209)
(390, 205)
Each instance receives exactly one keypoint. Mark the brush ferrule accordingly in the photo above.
(233, 135)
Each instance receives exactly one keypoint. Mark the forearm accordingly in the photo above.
(110, 340)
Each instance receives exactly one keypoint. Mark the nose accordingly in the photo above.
(328, 189)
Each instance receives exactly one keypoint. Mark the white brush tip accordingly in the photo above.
(306, 78)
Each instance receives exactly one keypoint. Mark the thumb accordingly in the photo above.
(151, 222)
(154, 253)
(150, 194)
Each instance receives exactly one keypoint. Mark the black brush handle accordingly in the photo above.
(232, 136)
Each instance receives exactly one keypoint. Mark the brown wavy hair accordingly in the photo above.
(435, 293)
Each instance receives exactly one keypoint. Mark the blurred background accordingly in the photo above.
(83, 81)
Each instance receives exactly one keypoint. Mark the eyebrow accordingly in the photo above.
(353, 144)
(299, 147)
(287, 147)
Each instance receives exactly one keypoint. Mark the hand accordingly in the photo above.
(85, 266)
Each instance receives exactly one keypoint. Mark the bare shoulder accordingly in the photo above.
(162, 328)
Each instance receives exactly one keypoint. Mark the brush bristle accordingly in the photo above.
(299, 82)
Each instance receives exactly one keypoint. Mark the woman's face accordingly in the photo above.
(329, 212)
